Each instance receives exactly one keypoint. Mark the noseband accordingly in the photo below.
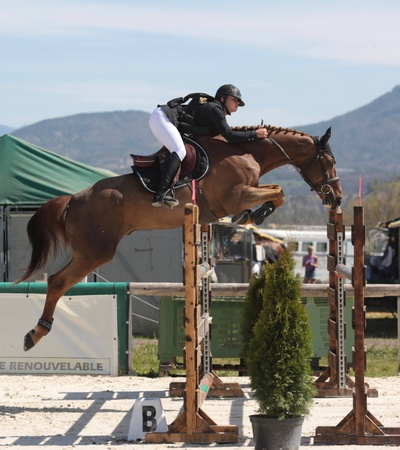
(324, 187)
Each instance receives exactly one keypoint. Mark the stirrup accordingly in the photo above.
(164, 200)
(242, 217)
(260, 214)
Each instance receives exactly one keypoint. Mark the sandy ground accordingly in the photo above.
(65, 412)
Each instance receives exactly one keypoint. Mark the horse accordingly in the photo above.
(92, 222)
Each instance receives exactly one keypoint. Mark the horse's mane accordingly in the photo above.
(270, 129)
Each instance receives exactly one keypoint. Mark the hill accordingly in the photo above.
(368, 137)
(98, 139)
(365, 143)
(364, 139)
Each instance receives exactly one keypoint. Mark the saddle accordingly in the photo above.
(194, 167)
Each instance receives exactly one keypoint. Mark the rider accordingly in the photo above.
(209, 116)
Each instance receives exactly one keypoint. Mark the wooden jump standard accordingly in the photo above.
(334, 381)
(359, 427)
(193, 424)
(218, 387)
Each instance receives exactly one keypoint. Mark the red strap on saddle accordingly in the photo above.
(194, 200)
(189, 162)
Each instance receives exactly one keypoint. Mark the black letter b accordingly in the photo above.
(149, 422)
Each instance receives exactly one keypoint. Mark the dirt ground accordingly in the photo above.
(66, 412)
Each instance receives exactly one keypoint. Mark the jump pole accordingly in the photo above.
(218, 387)
(193, 424)
(359, 427)
(334, 381)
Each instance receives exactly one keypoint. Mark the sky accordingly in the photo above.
(295, 61)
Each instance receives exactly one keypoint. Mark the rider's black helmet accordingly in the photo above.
(229, 89)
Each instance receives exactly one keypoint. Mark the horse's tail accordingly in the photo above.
(45, 230)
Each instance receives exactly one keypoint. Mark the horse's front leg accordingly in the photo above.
(269, 196)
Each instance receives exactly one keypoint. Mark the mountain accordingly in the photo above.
(365, 143)
(364, 139)
(98, 139)
(367, 138)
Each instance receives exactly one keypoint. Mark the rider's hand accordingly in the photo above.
(262, 133)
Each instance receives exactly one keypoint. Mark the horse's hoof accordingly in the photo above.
(28, 341)
(260, 214)
(242, 217)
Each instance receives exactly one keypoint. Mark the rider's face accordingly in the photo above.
(231, 103)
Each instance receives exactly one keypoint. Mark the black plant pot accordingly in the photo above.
(275, 434)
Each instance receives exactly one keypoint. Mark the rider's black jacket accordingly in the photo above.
(207, 118)
(212, 114)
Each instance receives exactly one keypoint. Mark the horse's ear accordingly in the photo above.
(325, 138)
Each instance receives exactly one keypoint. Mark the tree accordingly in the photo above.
(280, 348)
(381, 203)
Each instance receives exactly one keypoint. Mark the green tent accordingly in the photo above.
(30, 175)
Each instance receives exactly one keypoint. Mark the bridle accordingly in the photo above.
(324, 187)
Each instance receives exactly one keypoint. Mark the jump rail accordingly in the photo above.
(240, 289)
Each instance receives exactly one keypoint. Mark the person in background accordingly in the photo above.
(385, 267)
(310, 262)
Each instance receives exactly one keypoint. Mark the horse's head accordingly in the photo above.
(322, 176)
(312, 157)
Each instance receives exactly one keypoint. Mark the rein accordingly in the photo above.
(324, 187)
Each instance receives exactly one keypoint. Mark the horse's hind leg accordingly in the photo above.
(58, 284)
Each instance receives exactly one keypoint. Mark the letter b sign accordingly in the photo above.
(147, 416)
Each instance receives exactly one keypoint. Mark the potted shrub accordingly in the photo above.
(252, 307)
(278, 356)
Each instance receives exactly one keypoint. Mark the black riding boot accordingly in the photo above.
(168, 171)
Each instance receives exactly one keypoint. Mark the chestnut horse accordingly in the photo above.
(93, 221)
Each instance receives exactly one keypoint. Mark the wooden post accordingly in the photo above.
(360, 402)
(398, 334)
(218, 387)
(334, 381)
(359, 427)
(193, 424)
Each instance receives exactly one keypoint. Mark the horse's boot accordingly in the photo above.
(242, 217)
(262, 212)
(169, 168)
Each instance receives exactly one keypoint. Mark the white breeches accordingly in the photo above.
(167, 133)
